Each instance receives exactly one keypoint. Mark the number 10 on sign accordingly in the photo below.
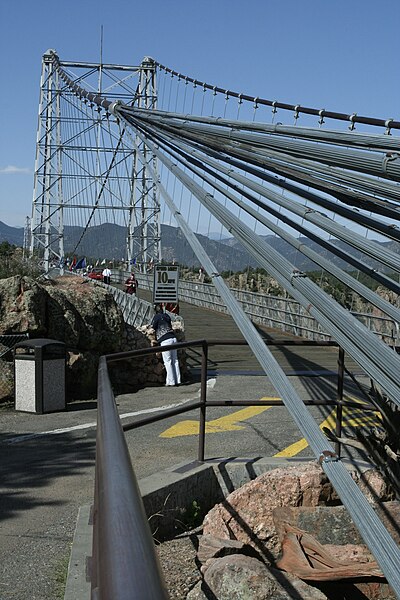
(165, 284)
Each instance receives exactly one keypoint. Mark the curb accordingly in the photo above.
(78, 581)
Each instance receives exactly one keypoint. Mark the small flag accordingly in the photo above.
(81, 264)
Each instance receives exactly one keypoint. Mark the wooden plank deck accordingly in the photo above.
(203, 323)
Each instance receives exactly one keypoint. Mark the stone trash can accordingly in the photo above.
(39, 366)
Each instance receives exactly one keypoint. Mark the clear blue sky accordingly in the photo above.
(337, 54)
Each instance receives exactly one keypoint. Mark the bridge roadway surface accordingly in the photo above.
(47, 466)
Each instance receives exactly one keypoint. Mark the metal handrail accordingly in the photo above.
(124, 563)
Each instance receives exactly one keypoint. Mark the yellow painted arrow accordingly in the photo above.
(228, 423)
(297, 447)
(352, 417)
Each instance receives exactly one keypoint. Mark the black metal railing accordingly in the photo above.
(8, 341)
(124, 560)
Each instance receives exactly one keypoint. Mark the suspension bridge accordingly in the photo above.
(137, 146)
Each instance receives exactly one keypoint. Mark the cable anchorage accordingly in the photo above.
(328, 456)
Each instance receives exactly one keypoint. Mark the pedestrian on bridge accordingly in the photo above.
(106, 275)
(131, 284)
(165, 336)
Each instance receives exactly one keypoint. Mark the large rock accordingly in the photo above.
(84, 316)
(87, 319)
(254, 514)
(22, 306)
(246, 514)
(240, 577)
(333, 524)
(67, 309)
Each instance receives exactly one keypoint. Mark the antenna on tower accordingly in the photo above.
(101, 58)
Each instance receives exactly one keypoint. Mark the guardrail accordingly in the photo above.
(124, 562)
(135, 311)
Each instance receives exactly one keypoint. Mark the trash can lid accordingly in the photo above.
(38, 343)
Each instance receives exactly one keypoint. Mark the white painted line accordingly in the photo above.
(30, 436)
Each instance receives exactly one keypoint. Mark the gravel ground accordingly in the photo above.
(178, 561)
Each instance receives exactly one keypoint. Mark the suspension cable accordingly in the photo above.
(352, 118)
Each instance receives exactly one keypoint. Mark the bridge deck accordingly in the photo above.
(202, 323)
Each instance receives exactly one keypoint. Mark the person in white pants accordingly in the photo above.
(165, 336)
(171, 363)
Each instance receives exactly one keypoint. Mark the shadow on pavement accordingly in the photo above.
(37, 462)
(84, 405)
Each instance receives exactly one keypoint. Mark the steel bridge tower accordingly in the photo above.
(87, 167)
(144, 238)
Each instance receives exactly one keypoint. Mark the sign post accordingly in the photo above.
(166, 279)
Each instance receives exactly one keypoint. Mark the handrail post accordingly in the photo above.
(203, 400)
(339, 406)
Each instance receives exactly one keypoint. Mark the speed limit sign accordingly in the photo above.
(165, 284)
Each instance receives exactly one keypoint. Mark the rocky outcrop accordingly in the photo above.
(247, 513)
(87, 319)
(66, 309)
(243, 537)
(84, 316)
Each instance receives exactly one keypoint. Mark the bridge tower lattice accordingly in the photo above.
(86, 167)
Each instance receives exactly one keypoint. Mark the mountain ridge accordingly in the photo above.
(109, 241)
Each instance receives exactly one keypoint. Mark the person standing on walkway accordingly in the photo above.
(131, 284)
(165, 336)
(106, 275)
